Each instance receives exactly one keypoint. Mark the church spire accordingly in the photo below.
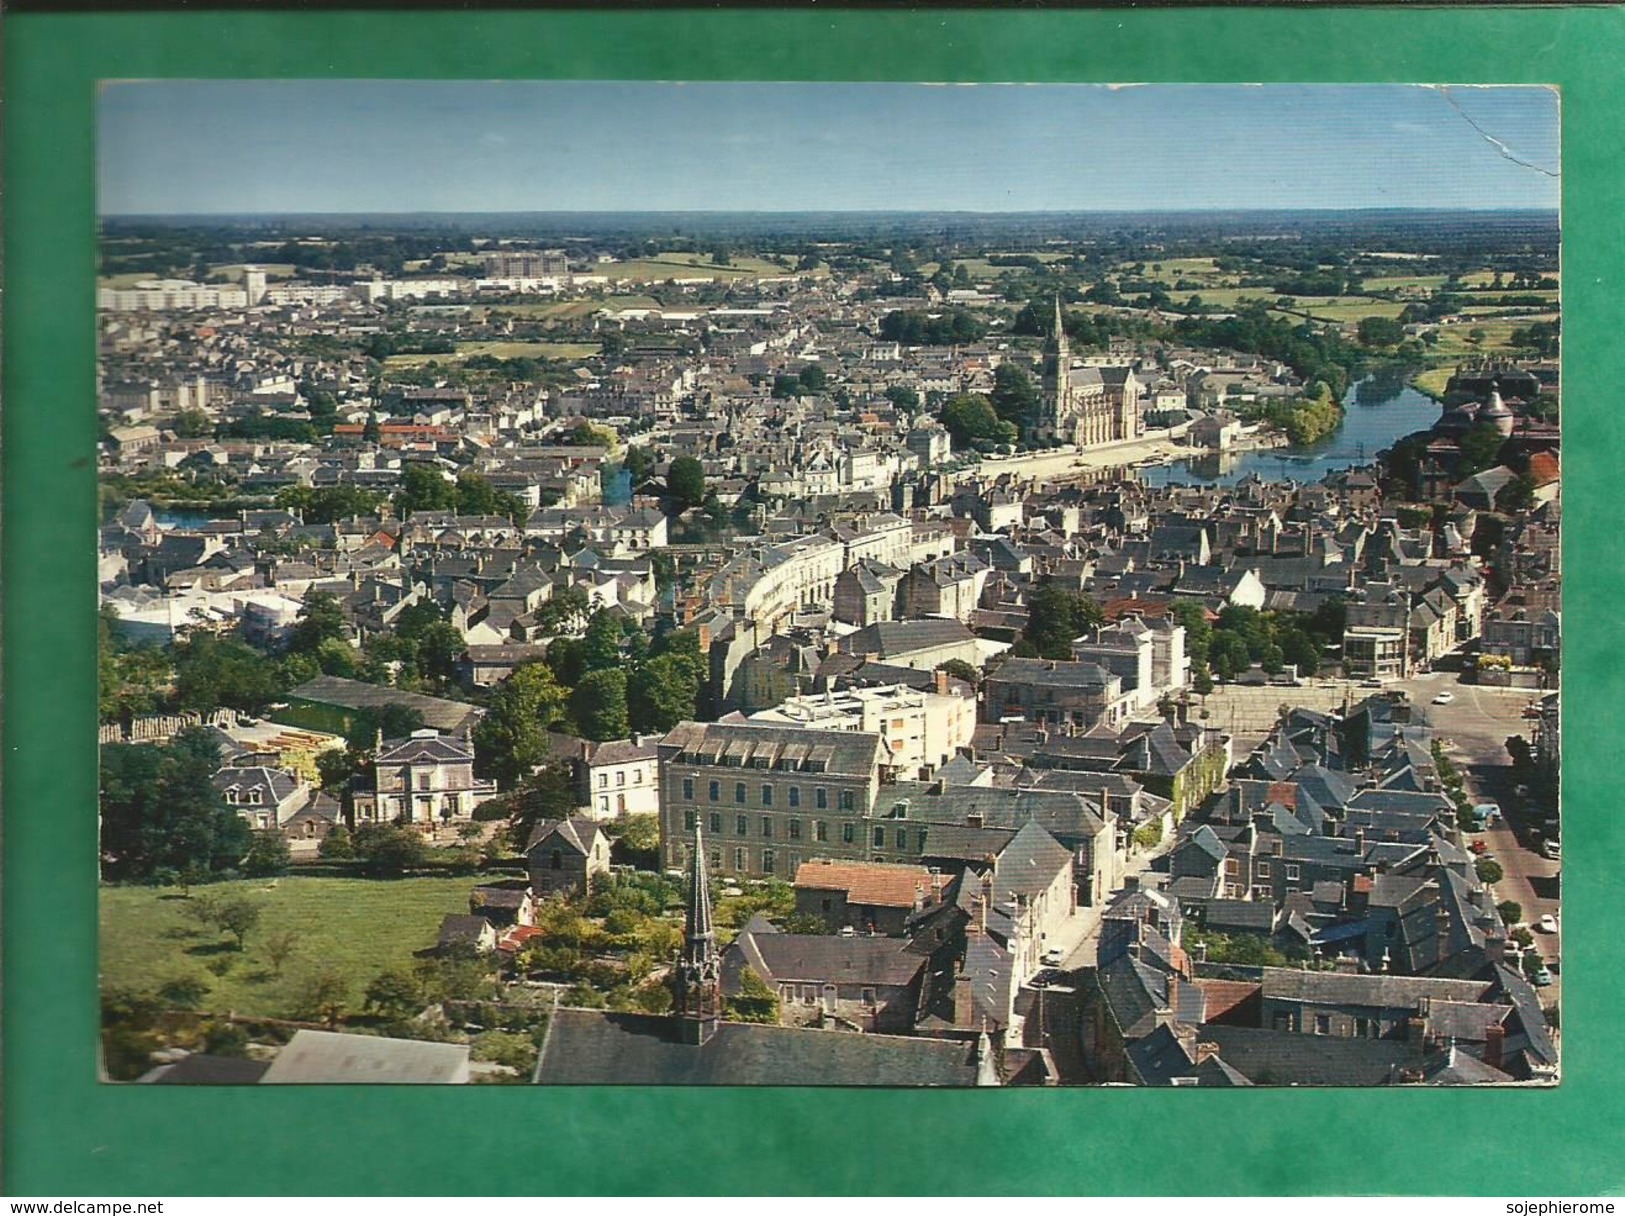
(697, 980)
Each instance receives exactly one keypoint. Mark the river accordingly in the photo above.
(1376, 412)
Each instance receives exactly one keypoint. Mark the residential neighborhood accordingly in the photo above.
(1048, 650)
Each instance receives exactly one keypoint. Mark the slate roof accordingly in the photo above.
(889, 639)
(450, 717)
(1374, 991)
(787, 748)
(318, 1057)
(421, 751)
(820, 958)
(589, 1047)
(1031, 862)
(201, 1069)
(1053, 673)
(1278, 1057)
(576, 832)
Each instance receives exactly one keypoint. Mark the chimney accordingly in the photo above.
(940, 681)
(1206, 1052)
(1495, 1037)
(1416, 1030)
(964, 1008)
(1359, 841)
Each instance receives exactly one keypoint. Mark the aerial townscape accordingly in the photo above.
(884, 645)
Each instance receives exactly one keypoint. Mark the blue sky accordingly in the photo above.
(200, 147)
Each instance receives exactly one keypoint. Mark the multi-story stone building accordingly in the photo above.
(920, 731)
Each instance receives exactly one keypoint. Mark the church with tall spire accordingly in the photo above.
(697, 978)
(1084, 404)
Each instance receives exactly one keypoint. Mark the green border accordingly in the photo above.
(65, 1135)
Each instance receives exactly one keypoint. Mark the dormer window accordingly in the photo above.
(253, 797)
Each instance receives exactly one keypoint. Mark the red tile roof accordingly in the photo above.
(870, 884)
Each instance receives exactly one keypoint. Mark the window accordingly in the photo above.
(689, 819)
(767, 795)
(1263, 868)
(767, 827)
(868, 998)
(787, 994)
(620, 804)
(1232, 866)
(847, 800)
(637, 776)
(620, 777)
(821, 798)
(880, 838)
(603, 804)
(253, 797)
(716, 791)
(740, 862)
(767, 861)
(1291, 872)
(820, 830)
(1362, 1028)
(716, 859)
(741, 825)
(231, 797)
(1323, 1023)
(739, 792)
(809, 995)
(902, 838)
(688, 788)
(795, 829)
(603, 781)
(848, 833)
(795, 795)
(716, 823)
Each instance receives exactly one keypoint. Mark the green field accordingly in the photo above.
(1347, 308)
(500, 350)
(355, 926)
(690, 266)
(1453, 341)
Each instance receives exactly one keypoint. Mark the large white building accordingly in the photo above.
(919, 731)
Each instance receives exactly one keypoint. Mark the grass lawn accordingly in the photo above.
(1348, 308)
(1434, 379)
(356, 926)
(1453, 341)
(1407, 282)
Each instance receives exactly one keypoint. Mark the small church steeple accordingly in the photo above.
(697, 979)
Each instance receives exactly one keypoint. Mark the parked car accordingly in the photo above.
(1552, 850)
(1542, 978)
(1479, 848)
(1053, 957)
(1547, 924)
(1046, 978)
(1486, 813)
(1444, 698)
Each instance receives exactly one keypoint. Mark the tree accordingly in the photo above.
(973, 422)
(372, 432)
(511, 739)
(903, 397)
(1380, 331)
(268, 855)
(1511, 911)
(279, 948)
(320, 618)
(662, 692)
(1489, 871)
(239, 917)
(1014, 397)
(1480, 448)
(193, 424)
(1517, 495)
(323, 996)
(393, 995)
(388, 849)
(959, 669)
(598, 705)
(336, 845)
(813, 378)
(184, 992)
(601, 648)
(756, 1002)
(685, 483)
(160, 810)
(211, 673)
(1056, 616)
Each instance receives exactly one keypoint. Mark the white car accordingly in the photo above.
(1444, 698)
(1552, 850)
(1053, 958)
(1547, 924)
